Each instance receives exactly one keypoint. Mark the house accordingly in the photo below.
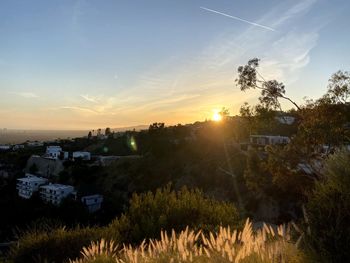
(262, 140)
(5, 147)
(86, 156)
(46, 167)
(285, 119)
(55, 193)
(53, 152)
(109, 159)
(106, 160)
(28, 185)
(17, 147)
(92, 202)
(64, 155)
(35, 144)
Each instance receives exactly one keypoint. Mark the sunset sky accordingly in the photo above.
(68, 64)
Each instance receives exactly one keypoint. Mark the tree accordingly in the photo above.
(271, 90)
(156, 126)
(339, 87)
(89, 135)
(323, 123)
(108, 131)
(224, 112)
(328, 211)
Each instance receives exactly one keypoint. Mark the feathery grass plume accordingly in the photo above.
(101, 251)
(262, 246)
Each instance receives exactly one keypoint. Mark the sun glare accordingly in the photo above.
(217, 117)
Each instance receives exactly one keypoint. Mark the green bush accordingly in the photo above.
(55, 245)
(149, 213)
(328, 211)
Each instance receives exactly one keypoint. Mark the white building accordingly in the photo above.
(53, 151)
(262, 140)
(35, 144)
(55, 193)
(64, 155)
(5, 147)
(289, 120)
(86, 156)
(28, 185)
(92, 202)
(17, 147)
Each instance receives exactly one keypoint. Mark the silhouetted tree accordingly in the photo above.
(271, 90)
(108, 131)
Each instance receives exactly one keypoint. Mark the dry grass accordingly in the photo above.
(264, 245)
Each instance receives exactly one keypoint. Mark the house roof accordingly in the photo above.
(32, 178)
(56, 186)
(87, 197)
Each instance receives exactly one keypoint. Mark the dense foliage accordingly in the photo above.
(53, 244)
(149, 213)
(328, 211)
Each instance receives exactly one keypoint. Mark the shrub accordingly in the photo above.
(150, 213)
(328, 211)
(52, 245)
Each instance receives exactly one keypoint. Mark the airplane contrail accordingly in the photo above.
(237, 18)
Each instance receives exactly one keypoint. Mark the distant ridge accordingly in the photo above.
(12, 136)
(136, 128)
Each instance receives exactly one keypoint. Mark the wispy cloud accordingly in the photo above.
(206, 80)
(80, 109)
(188, 88)
(298, 9)
(89, 98)
(28, 95)
(237, 18)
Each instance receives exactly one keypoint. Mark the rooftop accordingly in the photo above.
(92, 196)
(56, 186)
(31, 178)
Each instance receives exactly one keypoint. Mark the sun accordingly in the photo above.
(217, 116)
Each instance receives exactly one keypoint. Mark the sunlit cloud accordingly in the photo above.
(79, 109)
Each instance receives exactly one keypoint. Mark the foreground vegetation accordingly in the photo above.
(265, 245)
(146, 217)
(322, 236)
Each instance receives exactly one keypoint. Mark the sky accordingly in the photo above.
(87, 64)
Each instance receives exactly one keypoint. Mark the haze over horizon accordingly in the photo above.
(81, 65)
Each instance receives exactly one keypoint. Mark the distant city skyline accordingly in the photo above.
(84, 64)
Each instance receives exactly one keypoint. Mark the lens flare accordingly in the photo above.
(133, 144)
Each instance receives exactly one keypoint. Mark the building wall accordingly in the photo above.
(26, 188)
(55, 195)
